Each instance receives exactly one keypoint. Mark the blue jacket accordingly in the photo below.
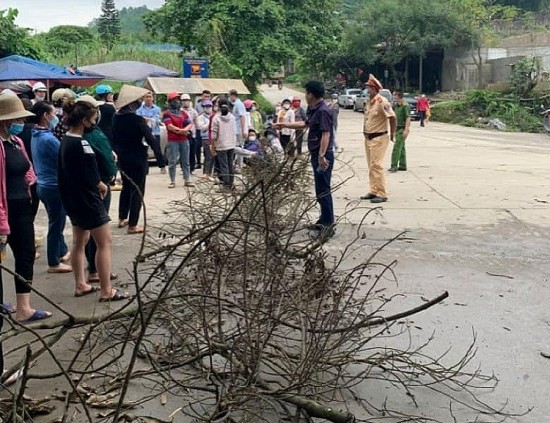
(45, 152)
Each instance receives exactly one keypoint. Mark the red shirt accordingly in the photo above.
(422, 104)
(180, 121)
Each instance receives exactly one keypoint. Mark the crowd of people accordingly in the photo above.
(67, 153)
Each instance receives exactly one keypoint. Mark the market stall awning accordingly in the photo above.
(128, 70)
(195, 85)
(16, 68)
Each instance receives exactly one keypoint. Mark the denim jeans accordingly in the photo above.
(322, 187)
(57, 217)
(225, 162)
(178, 152)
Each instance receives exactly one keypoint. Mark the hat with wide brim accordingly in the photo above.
(11, 107)
(89, 99)
(128, 94)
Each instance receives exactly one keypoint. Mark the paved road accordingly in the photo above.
(476, 205)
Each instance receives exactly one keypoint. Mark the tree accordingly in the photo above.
(65, 38)
(14, 39)
(249, 38)
(400, 30)
(476, 17)
(109, 23)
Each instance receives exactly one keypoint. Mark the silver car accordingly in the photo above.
(347, 97)
(361, 99)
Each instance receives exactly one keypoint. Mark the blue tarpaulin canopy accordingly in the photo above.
(13, 68)
(128, 70)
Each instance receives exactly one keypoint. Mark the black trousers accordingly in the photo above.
(129, 206)
(159, 155)
(21, 242)
(299, 140)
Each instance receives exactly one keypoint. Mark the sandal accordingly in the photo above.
(114, 277)
(123, 223)
(89, 291)
(7, 308)
(135, 230)
(117, 296)
(36, 316)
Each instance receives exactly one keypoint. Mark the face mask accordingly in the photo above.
(175, 104)
(253, 109)
(252, 138)
(286, 106)
(270, 137)
(185, 104)
(335, 100)
(296, 104)
(16, 128)
(54, 122)
(40, 97)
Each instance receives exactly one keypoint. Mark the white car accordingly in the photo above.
(347, 98)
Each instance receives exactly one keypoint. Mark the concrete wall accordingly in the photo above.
(461, 73)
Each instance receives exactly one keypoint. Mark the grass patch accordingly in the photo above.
(480, 106)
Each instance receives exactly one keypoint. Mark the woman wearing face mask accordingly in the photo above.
(16, 215)
(203, 123)
(106, 166)
(45, 151)
(286, 115)
(224, 141)
(132, 137)
(39, 90)
(82, 191)
(178, 124)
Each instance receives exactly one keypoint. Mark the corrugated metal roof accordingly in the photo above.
(195, 85)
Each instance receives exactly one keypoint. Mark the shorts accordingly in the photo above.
(88, 218)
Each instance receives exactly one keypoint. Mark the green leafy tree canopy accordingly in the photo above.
(14, 39)
(246, 38)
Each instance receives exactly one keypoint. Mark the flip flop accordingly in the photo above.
(114, 277)
(7, 308)
(13, 378)
(90, 291)
(117, 296)
(122, 223)
(137, 230)
(36, 316)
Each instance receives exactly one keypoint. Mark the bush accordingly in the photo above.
(479, 106)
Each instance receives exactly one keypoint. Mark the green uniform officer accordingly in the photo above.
(403, 115)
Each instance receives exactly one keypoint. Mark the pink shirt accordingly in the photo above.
(30, 179)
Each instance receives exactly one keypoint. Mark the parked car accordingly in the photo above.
(347, 97)
(361, 99)
(412, 106)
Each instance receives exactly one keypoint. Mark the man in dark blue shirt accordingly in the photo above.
(320, 143)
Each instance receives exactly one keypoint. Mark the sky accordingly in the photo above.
(40, 15)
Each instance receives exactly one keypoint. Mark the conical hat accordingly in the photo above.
(129, 94)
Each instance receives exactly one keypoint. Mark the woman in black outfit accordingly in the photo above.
(16, 212)
(82, 192)
(132, 137)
